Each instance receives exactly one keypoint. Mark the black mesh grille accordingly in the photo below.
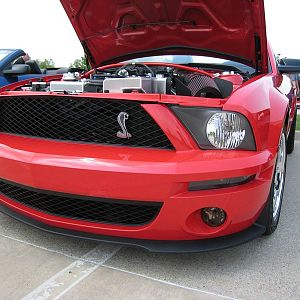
(109, 211)
(87, 120)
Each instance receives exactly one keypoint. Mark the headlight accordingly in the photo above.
(216, 129)
(225, 130)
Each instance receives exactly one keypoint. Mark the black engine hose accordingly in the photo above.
(136, 64)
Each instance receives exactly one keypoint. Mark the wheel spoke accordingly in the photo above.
(279, 178)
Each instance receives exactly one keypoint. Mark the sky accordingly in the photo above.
(41, 28)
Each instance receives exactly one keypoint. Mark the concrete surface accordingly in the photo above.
(37, 265)
(112, 284)
(24, 267)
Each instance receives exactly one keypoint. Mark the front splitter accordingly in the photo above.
(186, 246)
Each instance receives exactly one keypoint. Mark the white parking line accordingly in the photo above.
(171, 283)
(66, 279)
(84, 266)
(40, 247)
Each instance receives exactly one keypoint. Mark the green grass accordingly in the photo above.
(298, 123)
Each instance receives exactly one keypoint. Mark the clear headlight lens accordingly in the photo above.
(225, 130)
(217, 129)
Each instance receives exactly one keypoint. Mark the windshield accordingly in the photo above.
(4, 53)
(189, 59)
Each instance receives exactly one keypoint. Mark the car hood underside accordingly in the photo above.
(118, 30)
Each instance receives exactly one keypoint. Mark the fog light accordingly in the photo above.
(213, 216)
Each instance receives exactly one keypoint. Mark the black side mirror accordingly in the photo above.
(17, 69)
(284, 69)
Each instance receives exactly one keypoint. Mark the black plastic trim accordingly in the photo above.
(82, 197)
(219, 184)
(189, 246)
(87, 216)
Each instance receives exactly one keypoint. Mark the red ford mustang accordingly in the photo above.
(175, 141)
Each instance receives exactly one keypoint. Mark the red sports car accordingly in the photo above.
(176, 140)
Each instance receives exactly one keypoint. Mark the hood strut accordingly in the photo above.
(258, 54)
(88, 52)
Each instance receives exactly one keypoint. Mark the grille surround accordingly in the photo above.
(76, 207)
(80, 119)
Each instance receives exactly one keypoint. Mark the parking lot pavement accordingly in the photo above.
(38, 265)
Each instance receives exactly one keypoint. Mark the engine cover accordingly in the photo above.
(147, 85)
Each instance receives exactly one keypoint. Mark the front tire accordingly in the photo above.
(275, 198)
(290, 144)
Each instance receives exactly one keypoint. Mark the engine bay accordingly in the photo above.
(148, 78)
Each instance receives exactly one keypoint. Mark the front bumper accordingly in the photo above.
(144, 175)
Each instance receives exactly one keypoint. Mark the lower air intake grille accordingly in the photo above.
(109, 211)
(85, 120)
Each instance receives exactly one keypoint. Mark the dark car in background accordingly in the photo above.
(296, 63)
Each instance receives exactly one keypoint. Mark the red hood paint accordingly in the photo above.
(117, 30)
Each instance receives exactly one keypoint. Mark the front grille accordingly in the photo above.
(92, 209)
(85, 120)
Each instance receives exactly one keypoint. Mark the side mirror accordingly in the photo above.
(17, 69)
(284, 69)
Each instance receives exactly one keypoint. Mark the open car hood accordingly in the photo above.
(117, 30)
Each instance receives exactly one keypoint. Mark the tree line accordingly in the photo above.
(49, 63)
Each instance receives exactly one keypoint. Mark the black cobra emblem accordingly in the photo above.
(124, 134)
